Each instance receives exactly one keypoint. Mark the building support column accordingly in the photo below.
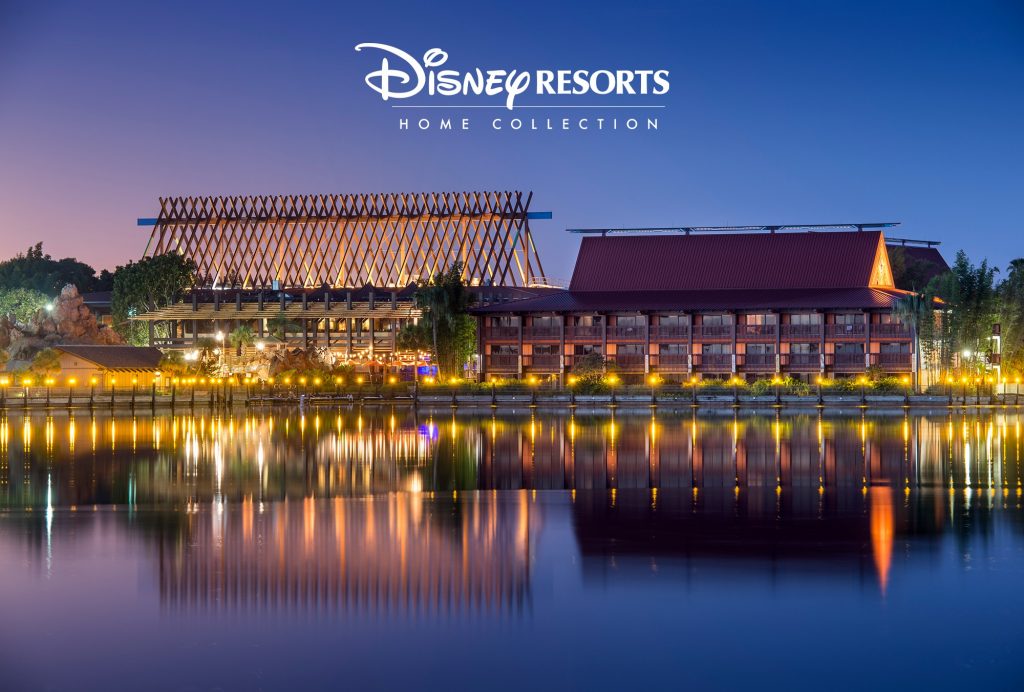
(561, 350)
(867, 341)
(647, 344)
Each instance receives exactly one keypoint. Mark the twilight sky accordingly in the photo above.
(779, 112)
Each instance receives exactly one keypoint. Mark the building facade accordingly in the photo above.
(751, 305)
(335, 273)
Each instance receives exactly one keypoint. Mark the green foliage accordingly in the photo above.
(445, 303)
(37, 271)
(46, 363)
(280, 325)
(1011, 293)
(588, 372)
(174, 364)
(21, 304)
(971, 307)
(146, 285)
(241, 336)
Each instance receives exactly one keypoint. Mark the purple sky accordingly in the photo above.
(786, 112)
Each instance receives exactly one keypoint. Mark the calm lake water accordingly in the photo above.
(381, 549)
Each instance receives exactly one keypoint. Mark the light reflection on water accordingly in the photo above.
(380, 517)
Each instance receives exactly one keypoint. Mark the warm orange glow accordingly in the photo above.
(882, 529)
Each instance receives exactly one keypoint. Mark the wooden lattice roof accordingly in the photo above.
(350, 240)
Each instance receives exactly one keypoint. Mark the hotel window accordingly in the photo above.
(713, 320)
(545, 350)
(507, 321)
(587, 320)
(672, 321)
(718, 349)
(805, 318)
(586, 349)
(760, 319)
(804, 349)
(629, 321)
(849, 318)
(545, 321)
(850, 349)
(897, 347)
(630, 350)
(672, 350)
(761, 349)
(504, 350)
(888, 318)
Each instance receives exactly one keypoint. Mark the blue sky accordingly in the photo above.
(779, 112)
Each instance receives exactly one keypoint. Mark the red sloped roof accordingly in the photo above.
(747, 261)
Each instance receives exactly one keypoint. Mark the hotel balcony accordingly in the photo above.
(628, 362)
(801, 332)
(801, 362)
(756, 332)
(589, 333)
(503, 362)
(892, 361)
(890, 331)
(670, 362)
(632, 334)
(756, 362)
(713, 362)
(545, 333)
(501, 333)
(542, 362)
(845, 331)
(845, 362)
(714, 332)
(670, 333)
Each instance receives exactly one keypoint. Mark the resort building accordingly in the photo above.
(109, 366)
(335, 272)
(706, 304)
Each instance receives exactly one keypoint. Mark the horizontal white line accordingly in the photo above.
(518, 107)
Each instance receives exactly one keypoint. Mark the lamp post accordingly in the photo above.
(652, 380)
(906, 390)
(777, 381)
(735, 382)
(821, 402)
(693, 392)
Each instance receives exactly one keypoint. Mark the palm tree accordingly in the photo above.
(445, 304)
(240, 337)
(280, 325)
(912, 310)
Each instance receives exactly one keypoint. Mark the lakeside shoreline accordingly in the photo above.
(231, 399)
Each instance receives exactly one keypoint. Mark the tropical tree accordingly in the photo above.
(446, 328)
(971, 307)
(173, 363)
(35, 270)
(147, 285)
(280, 325)
(46, 363)
(22, 304)
(1011, 294)
(240, 337)
(915, 310)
